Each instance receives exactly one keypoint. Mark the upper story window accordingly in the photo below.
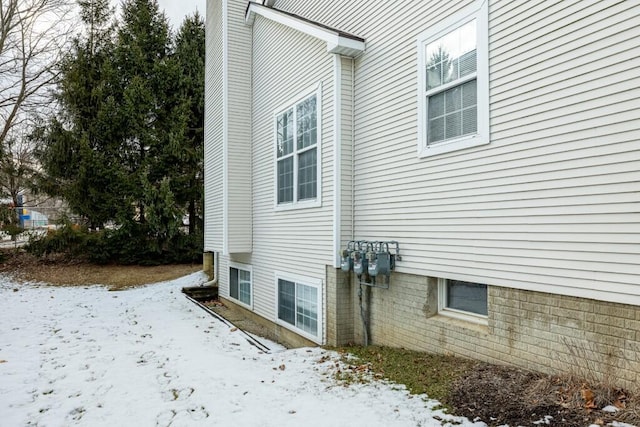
(453, 88)
(297, 152)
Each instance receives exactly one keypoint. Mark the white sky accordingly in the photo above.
(176, 10)
(84, 356)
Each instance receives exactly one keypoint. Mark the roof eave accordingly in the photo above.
(336, 41)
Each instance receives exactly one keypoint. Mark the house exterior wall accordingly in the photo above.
(550, 204)
(238, 134)
(228, 225)
(545, 214)
(213, 159)
(297, 241)
(285, 64)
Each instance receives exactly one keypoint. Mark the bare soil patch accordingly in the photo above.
(24, 267)
(501, 395)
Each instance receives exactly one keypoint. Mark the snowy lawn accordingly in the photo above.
(85, 356)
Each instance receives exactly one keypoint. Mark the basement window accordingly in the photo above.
(464, 300)
(299, 305)
(240, 287)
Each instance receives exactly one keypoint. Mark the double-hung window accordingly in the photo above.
(297, 152)
(240, 287)
(453, 88)
(299, 305)
(466, 300)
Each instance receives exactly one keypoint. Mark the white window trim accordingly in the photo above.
(311, 203)
(457, 314)
(307, 281)
(479, 11)
(245, 267)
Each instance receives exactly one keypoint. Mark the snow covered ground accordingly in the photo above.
(84, 356)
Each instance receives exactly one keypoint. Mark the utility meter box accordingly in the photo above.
(359, 262)
(346, 262)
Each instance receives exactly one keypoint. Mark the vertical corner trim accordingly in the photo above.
(337, 160)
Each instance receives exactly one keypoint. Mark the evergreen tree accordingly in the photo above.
(127, 146)
(142, 57)
(79, 150)
(190, 55)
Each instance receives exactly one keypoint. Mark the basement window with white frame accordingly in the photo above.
(453, 99)
(240, 286)
(463, 300)
(299, 305)
(297, 129)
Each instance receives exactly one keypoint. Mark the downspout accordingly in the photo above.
(365, 326)
(214, 281)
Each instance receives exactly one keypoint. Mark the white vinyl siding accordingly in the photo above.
(346, 137)
(238, 148)
(213, 163)
(227, 137)
(551, 203)
(286, 65)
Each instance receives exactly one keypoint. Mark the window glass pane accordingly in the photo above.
(306, 121)
(285, 133)
(286, 301)
(307, 169)
(453, 113)
(469, 93)
(307, 308)
(451, 56)
(285, 180)
(453, 99)
(469, 121)
(436, 129)
(436, 106)
(434, 72)
(244, 286)
(453, 125)
(468, 63)
(233, 282)
(466, 296)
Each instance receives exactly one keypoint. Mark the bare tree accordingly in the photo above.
(17, 166)
(33, 34)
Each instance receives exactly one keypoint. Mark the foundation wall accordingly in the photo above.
(542, 332)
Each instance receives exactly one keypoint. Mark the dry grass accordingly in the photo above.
(24, 267)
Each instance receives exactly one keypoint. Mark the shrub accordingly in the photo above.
(129, 244)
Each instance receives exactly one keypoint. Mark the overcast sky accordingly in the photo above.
(176, 10)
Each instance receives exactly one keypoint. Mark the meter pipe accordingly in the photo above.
(364, 322)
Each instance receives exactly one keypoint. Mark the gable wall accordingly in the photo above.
(299, 241)
(551, 203)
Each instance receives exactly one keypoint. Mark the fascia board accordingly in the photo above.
(336, 43)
